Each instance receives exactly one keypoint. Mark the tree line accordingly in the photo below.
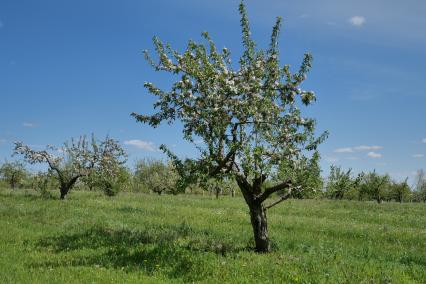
(156, 176)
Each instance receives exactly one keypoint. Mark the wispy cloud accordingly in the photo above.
(424, 140)
(141, 144)
(362, 148)
(357, 21)
(1, 24)
(374, 155)
(29, 124)
(418, 156)
(344, 150)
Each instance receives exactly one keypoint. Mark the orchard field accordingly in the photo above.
(147, 238)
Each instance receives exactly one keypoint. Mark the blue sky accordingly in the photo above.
(76, 67)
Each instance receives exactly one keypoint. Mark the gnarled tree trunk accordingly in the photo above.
(259, 223)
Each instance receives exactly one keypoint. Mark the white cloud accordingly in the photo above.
(361, 148)
(357, 21)
(29, 124)
(374, 155)
(344, 150)
(144, 145)
(368, 148)
(417, 156)
(424, 140)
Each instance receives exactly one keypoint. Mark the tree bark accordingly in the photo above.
(259, 223)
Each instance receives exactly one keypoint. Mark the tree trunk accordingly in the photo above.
(259, 223)
(218, 191)
(64, 191)
(258, 218)
(66, 186)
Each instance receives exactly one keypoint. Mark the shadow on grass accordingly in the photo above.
(173, 249)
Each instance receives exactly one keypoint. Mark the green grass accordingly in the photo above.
(141, 238)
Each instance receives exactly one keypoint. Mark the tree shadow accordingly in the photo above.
(176, 250)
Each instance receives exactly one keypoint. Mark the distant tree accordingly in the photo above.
(249, 119)
(420, 186)
(156, 176)
(219, 187)
(13, 173)
(375, 185)
(76, 159)
(111, 178)
(400, 191)
(340, 182)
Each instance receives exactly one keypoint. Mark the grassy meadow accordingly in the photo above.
(141, 238)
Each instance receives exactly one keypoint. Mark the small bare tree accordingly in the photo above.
(76, 159)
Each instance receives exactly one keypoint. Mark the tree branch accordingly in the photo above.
(270, 190)
(283, 197)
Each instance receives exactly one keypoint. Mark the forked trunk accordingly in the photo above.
(259, 223)
(66, 186)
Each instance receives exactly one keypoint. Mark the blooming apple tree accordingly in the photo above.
(76, 159)
(248, 117)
